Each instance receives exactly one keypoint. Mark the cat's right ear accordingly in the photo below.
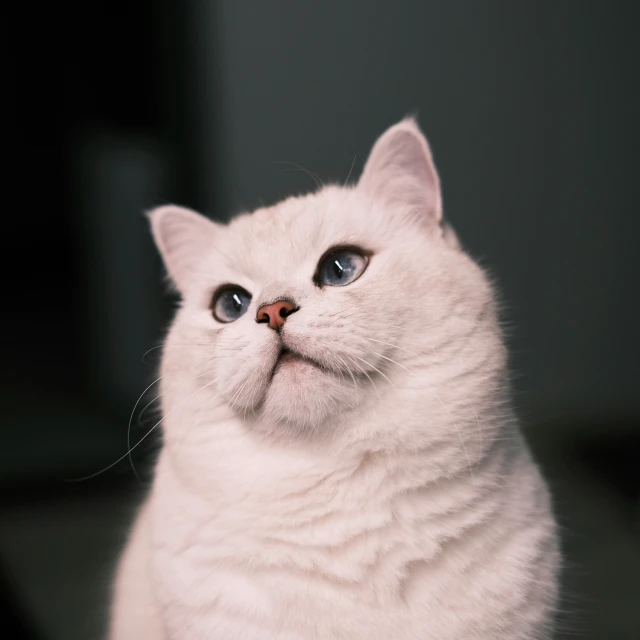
(182, 237)
(401, 173)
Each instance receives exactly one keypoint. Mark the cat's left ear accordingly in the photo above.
(400, 172)
(183, 237)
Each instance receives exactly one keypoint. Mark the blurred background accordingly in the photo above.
(115, 107)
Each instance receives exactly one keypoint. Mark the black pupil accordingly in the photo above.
(237, 301)
(338, 269)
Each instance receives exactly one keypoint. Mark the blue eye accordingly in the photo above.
(341, 267)
(229, 303)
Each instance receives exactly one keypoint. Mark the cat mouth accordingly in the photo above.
(288, 357)
(290, 362)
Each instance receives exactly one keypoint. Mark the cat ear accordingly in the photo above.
(401, 173)
(182, 237)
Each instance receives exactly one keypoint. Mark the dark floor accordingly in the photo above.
(58, 543)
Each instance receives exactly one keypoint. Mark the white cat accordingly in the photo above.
(340, 457)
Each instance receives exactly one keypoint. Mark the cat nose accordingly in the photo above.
(276, 313)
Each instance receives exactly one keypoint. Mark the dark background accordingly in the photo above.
(114, 107)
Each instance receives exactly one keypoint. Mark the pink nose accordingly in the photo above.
(275, 314)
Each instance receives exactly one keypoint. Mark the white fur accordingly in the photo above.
(386, 494)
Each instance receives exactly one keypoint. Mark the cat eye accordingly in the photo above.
(341, 266)
(229, 303)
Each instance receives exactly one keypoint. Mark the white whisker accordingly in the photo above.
(375, 369)
(144, 437)
(350, 170)
(237, 393)
(390, 360)
(355, 385)
(311, 174)
(146, 406)
(395, 346)
(373, 384)
(129, 426)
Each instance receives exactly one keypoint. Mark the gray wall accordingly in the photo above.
(528, 107)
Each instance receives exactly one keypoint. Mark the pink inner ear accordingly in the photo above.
(182, 237)
(400, 171)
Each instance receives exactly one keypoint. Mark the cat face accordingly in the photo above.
(296, 315)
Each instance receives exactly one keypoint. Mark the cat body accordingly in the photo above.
(340, 458)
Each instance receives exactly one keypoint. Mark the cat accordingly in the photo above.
(340, 457)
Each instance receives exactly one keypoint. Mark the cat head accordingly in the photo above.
(297, 316)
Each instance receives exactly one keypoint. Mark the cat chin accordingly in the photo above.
(304, 397)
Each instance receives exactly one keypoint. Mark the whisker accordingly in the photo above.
(475, 413)
(176, 344)
(346, 366)
(144, 355)
(129, 426)
(311, 174)
(146, 406)
(330, 315)
(350, 170)
(395, 346)
(375, 369)
(249, 404)
(144, 437)
(390, 360)
(237, 394)
(373, 384)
